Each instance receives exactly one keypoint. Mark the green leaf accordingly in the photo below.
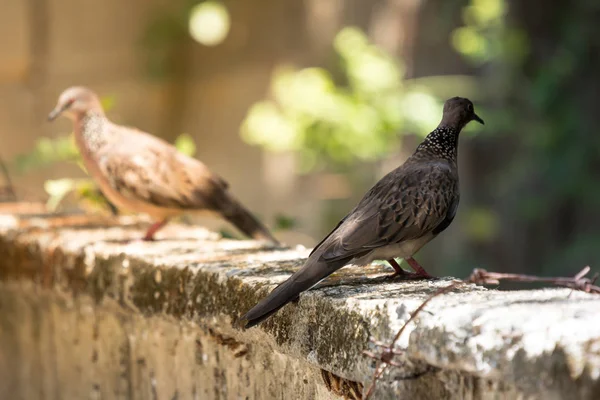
(285, 222)
(57, 189)
(48, 151)
(185, 144)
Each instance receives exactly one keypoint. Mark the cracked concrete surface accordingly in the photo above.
(78, 295)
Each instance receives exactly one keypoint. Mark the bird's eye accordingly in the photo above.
(470, 107)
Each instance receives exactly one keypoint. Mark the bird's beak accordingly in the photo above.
(57, 111)
(476, 118)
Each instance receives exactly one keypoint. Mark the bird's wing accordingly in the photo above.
(145, 168)
(408, 203)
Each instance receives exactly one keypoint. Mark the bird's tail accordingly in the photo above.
(309, 275)
(241, 218)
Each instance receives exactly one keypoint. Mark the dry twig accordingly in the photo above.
(577, 282)
(388, 352)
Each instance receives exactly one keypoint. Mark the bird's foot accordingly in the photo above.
(149, 236)
(401, 274)
(419, 271)
(406, 276)
(397, 268)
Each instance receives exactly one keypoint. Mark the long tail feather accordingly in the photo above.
(241, 218)
(312, 273)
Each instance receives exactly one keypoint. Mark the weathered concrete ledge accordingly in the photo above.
(85, 313)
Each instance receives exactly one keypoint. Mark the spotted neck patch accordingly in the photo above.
(94, 131)
(442, 143)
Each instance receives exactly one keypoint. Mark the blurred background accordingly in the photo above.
(304, 105)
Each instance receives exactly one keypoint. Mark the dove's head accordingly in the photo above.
(75, 102)
(458, 112)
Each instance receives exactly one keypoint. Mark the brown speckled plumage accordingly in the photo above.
(404, 211)
(140, 172)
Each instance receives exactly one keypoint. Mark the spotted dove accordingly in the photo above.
(404, 211)
(142, 173)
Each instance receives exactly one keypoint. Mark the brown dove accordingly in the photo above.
(142, 173)
(405, 210)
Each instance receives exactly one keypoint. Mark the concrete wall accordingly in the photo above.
(87, 312)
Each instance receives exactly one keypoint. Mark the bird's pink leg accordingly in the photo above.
(420, 271)
(397, 268)
(402, 274)
(154, 228)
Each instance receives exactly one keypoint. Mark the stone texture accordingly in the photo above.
(88, 313)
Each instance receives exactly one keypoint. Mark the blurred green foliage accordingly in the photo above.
(47, 151)
(359, 120)
(485, 37)
(166, 39)
(548, 183)
(84, 189)
(185, 144)
(284, 222)
(160, 41)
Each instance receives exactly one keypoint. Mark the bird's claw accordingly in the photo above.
(408, 276)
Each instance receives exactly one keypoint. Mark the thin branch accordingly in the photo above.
(438, 292)
(577, 282)
(387, 353)
(381, 367)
